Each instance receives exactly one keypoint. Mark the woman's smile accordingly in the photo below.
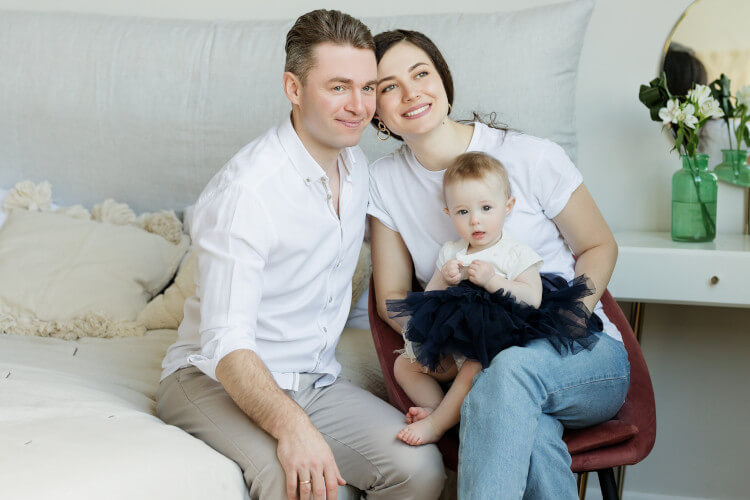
(417, 111)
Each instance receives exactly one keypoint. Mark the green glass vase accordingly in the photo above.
(733, 167)
(694, 193)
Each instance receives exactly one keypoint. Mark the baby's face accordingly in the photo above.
(478, 209)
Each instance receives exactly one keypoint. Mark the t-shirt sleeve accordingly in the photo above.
(376, 206)
(524, 258)
(556, 178)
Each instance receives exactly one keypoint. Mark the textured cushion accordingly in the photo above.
(54, 267)
(147, 110)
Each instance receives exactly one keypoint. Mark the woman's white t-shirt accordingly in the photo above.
(408, 198)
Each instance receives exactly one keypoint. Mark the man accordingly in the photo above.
(278, 231)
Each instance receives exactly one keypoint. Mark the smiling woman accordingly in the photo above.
(554, 215)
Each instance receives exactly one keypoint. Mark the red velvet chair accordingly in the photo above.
(625, 440)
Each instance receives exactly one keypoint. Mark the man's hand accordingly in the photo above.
(481, 272)
(452, 272)
(308, 462)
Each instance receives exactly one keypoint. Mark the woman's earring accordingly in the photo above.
(382, 128)
(450, 108)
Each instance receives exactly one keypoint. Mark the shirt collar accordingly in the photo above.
(302, 160)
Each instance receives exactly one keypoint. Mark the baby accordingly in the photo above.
(452, 334)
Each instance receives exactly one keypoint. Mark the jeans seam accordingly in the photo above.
(621, 377)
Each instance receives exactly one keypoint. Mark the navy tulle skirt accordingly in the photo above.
(468, 320)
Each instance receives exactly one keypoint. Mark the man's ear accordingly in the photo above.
(510, 204)
(292, 87)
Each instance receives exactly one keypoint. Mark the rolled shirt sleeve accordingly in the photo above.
(232, 235)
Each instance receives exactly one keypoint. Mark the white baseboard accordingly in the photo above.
(594, 493)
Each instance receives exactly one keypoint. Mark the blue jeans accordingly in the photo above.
(512, 420)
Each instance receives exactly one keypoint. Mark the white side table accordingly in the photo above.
(653, 268)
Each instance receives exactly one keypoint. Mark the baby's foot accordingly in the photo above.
(421, 432)
(417, 413)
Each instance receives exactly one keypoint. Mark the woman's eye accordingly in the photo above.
(421, 74)
(387, 88)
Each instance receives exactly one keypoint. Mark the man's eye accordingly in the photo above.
(368, 88)
(338, 88)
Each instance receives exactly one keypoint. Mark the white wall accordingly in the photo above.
(696, 354)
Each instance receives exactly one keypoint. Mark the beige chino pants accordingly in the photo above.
(360, 429)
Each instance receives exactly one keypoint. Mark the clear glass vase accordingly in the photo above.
(694, 193)
(733, 167)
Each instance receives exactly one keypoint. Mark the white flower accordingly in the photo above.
(115, 213)
(76, 212)
(699, 95)
(29, 196)
(669, 114)
(710, 109)
(743, 96)
(686, 115)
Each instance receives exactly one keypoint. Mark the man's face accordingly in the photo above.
(337, 100)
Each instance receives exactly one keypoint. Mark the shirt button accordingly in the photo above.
(325, 330)
(330, 299)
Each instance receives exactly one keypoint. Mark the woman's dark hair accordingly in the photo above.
(682, 70)
(387, 39)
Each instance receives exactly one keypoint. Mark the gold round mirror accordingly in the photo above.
(717, 34)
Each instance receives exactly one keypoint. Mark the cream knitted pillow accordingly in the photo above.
(71, 277)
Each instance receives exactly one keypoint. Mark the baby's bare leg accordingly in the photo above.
(416, 382)
(447, 413)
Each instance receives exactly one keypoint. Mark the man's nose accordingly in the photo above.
(356, 104)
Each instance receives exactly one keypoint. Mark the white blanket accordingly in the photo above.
(76, 421)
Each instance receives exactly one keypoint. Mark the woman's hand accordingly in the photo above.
(481, 272)
(452, 272)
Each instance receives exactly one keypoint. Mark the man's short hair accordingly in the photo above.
(321, 26)
(479, 166)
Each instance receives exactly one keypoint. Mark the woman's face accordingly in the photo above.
(411, 99)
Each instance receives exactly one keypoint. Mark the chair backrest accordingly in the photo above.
(640, 407)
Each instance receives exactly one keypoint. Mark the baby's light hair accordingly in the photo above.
(476, 165)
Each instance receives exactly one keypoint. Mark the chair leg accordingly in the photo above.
(583, 479)
(608, 484)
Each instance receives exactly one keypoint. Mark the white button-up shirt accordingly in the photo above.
(275, 262)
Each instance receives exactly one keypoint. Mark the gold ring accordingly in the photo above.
(305, 482)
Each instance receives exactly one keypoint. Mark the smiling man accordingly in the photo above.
(277, 232)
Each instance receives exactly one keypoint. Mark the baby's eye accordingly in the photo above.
(462, 212)
(486, 208)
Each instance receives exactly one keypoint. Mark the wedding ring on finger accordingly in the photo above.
(305, 482)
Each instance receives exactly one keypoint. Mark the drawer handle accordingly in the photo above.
(714, 280)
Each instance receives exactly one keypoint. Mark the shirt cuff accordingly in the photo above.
(215, 344)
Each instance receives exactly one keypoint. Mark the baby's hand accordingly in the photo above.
(481, 272)
(452, 272)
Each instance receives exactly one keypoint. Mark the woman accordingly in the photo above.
(512, 420)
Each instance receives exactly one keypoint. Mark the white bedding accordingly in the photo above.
(76, 421)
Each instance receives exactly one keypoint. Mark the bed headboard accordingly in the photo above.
(146, 110)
